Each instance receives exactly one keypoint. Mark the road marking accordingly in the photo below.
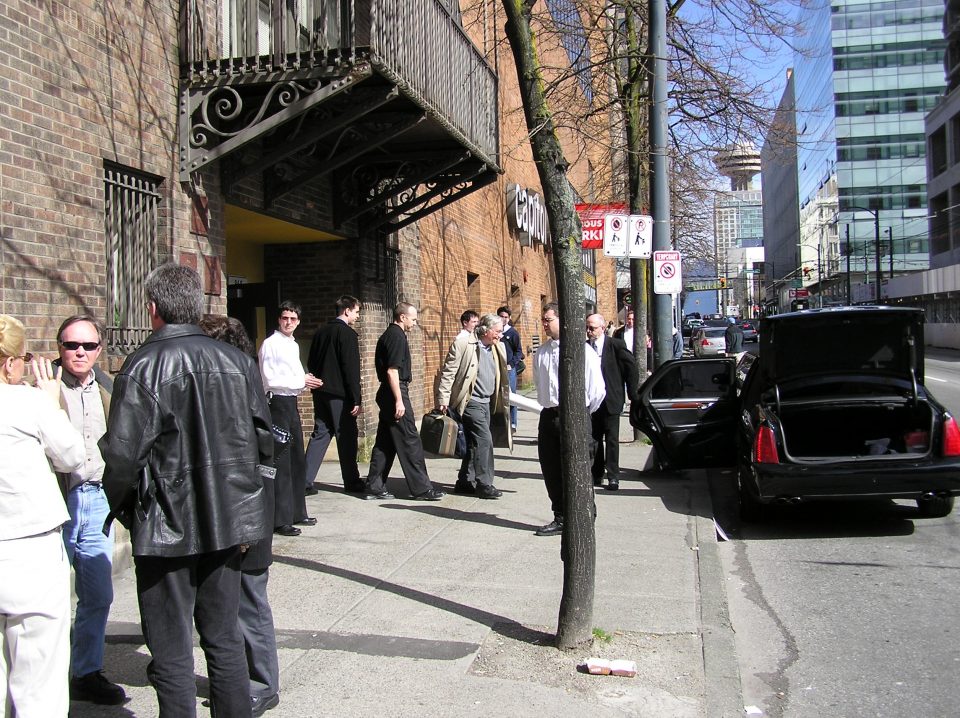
(935, 378)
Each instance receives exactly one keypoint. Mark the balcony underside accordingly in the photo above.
(390, 157)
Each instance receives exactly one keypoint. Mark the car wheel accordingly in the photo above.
(751, 510)
(935, 507)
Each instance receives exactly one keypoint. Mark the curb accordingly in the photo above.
(722, 695)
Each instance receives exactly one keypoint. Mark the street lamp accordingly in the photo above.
(876, 229)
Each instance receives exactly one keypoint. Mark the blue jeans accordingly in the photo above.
(512, 378)
(91, 555)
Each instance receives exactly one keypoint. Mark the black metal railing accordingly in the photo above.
(418, 44)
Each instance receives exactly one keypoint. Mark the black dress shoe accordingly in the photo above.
(309, 521)
(488, 492)
(311, 492)
(613, 485)
(259, 706)
(554, 528)
(287, 530)
(96, 688)
(430, 495)
(464, 487)
(382, 496)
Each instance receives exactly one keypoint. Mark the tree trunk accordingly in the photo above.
(578, 548)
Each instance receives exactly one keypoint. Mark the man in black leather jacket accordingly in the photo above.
(186, 445)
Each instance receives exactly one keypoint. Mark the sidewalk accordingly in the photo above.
(447, 609)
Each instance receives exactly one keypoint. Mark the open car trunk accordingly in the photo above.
(855, 428)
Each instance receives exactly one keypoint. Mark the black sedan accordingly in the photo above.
(852, 419)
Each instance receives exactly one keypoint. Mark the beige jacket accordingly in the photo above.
(458, 376)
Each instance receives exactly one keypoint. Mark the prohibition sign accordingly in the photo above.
(667, 271)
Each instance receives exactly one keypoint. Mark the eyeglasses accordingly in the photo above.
(73, 346)
(27, 358)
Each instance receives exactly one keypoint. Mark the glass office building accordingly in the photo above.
(869, 73)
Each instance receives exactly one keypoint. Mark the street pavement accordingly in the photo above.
(409, 608)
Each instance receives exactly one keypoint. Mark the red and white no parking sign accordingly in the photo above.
(667, 278)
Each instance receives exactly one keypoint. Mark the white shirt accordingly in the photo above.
(280, 365)
(546, 376)
(598, 349)
(628, 338)
(33, 430)
(464, 334)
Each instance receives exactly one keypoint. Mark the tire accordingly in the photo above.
(752, 511)
(935, 508)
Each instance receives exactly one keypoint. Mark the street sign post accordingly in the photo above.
(615, 235)
(667, 277)
(640, 234)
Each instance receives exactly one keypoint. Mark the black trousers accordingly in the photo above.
(476, 426)
(173, 594)
(332, 418)
(606, 434)
(549, 450)
(290, 503)
(398, 439)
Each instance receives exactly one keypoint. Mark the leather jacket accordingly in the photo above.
(186, 445)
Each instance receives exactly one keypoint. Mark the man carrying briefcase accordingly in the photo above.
(475, 384)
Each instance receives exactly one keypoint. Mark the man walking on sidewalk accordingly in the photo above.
(85, 396)
(474, 385)
(618, 368)
(546, 377)
(335, 361)
(397, 434)
(186, 443)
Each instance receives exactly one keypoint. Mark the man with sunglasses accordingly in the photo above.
(85, 396)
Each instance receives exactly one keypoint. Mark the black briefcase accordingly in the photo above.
(438, 434)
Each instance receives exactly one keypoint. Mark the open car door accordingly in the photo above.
(689, 409)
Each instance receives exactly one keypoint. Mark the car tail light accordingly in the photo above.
(951, 437)
(765, 446)
(705, 342)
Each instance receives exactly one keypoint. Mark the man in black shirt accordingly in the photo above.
(397, 431)
(335, 359)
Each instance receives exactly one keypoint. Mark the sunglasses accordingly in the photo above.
(73, 346)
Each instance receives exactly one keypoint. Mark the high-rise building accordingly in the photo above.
(865, 80)
(738, 229)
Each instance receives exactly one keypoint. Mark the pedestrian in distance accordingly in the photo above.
(283, 380)
(619, 369)
(85, 396)
(474, 384)
(187, 451)
(335, 361)
(468, 322)
(733, 338)
(510, 338)
(35, 434)
(254, 616)
(397, 434)
(546, 377)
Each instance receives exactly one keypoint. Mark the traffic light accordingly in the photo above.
(723, 282)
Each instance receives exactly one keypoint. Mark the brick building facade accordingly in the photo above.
(92, 195)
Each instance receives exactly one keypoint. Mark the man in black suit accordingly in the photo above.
(619, 368)
(335, 359)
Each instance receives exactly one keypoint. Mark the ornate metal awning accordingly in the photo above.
(388, 99)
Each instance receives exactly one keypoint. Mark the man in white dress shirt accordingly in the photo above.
(546, 377)
(283, 380)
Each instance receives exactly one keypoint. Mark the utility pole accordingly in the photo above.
(662, 334)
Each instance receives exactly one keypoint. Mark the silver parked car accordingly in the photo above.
(708, 341)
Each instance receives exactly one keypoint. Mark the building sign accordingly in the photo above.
(591, 222)
(527, 215)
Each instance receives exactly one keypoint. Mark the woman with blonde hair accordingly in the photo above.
(34, 572)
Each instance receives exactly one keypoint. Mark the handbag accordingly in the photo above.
(520, 366)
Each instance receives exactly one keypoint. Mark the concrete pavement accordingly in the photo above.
(447, 609)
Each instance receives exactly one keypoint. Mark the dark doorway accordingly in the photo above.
(244, 299)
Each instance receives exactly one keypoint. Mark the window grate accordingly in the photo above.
(131, 219)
